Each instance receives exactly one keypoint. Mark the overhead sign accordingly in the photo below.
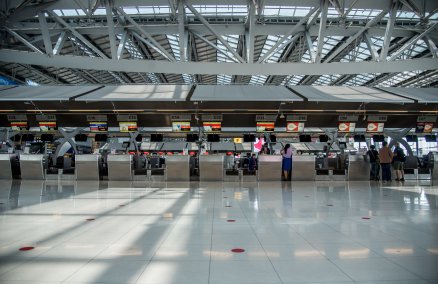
(375, 127)
(346, 127)
(424, 127)
(295, 126)
(426, 118)
(348, 117)
(212, 126)
(19, 125)
(238, 140)
(98, 126)
(211, 117)
(181, 117)
(378, 118)
(265, 126)
(266, 117)
(181, 126)
(128, 126)
(126, 117)
(17, 117)
(297, 117)
(47, 125)
(97, 117)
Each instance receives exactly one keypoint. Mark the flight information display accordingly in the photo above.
(98, 126)
(130, 126)
(212, 126)
(47, 125)
(19, 125)
(346, 126)
(181, 126)
(265, 126)
(295, 126)
(375, 126)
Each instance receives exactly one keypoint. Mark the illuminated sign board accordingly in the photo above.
(48, 125)
(212, 126)
(19, 125)
(375, 127)
(181, 126)
(98, 126)
(295, 126)
(130, 126)
(265, 126)
(346, 126)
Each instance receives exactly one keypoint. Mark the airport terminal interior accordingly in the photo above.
(218, 141)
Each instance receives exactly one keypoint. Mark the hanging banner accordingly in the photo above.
(295, 126)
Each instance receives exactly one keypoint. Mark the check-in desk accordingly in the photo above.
(87, 167)
(269, 167)
(32, 166)
(178, 168)
(410, 168)
(435, 167)
(6, 161)
(303, 167)
(358, 168)
(120, 167)
(211, 167)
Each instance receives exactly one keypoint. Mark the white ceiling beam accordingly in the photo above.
(23, 40)
(292, 31)
(182, 31)
(211, 29)
(389, 30)
(155, 45)
(336, 4)
(322, 27)
(413, 7)
(76, 34)
(45, 31)
(371, 47)
(353, 38)
(351, 7)
(60, 43)
(122, 44)
(215, 68)
(412, 41)
(309, 43)
(249, 33)
(111, 32)
(215, 47)
(432, 47)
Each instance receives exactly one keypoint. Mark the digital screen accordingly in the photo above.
(213, 126)
(48, 125)
(346, 126)
(295, 126)
(181, 126)
(375, 126)
(265, 126)
(128, 126)
(424, 127)
(213, 138)
(19, 125)
(99, 126)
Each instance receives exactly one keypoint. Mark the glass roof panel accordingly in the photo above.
(174, 45)
(220, 10)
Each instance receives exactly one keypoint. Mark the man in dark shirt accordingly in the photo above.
(374, 163)
(399, 159)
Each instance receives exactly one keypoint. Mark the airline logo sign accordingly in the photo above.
(375, 127)
(295, 126)
(346, 126)
(424, 127)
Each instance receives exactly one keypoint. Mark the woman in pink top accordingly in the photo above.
(287, 161)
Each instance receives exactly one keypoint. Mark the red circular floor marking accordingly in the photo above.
(26, 248)
(366, 218)
(90, 219)
(231, 220)
(237, 250)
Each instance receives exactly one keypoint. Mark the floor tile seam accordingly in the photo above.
(211, 237)
(405, 268)
(260, 243)
(144, 269)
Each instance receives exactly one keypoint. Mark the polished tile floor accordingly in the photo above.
(306, 232)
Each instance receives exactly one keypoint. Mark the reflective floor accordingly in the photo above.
(304, 232)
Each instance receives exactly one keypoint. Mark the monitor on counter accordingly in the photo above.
(212, 126)
(139, 138)
(359, 138)
(46, 137)
(411, 138)
(181, 126)
(323, 138)
(19, 125)
(213, 138)
(249, 138)
(156, 137)
(378, 138)
(305, 138)
(273, 138)
(100, 138)
(27, 138)
(130, 126)
(98, 126)
(47, 125)
(192, 137)
(81, 138)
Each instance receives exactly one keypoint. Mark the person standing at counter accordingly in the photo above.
(287, 161)
(374, 162)
(385, 156)
(399, 159)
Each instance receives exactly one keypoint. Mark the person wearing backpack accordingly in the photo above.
(374, 163)
(399, 159)
(385, 156)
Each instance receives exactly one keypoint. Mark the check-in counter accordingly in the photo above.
(87, 167)
(6, 166)
(269, 167)
(435, 167)
(32, 166)
(410, 168)
(120, 167)
(303, 167)
(211, 167)
(358, 168)
(178, 168)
